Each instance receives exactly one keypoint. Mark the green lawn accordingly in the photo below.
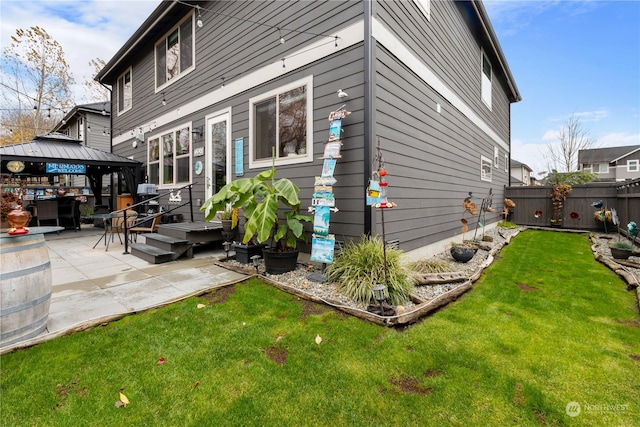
(546, 325)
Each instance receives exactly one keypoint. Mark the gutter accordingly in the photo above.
(368, 109)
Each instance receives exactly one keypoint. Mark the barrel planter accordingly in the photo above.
(25, 287)
(279, 262)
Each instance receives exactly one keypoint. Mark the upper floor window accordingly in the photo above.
(281, 125)
(125, 92)
(175, 52)
(169, 157)
(485, 169)
(496, 156)
(632, 166)
(486, 80)
(506, 163)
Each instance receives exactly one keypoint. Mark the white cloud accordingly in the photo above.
(619, 139)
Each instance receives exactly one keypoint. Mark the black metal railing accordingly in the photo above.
(146, 202)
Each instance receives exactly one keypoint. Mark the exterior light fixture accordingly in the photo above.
(256, 261)
(378, 293)
(227, 247)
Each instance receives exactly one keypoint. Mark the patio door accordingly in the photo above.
(218, 151)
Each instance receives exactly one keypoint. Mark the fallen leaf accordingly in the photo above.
(119, 404)
(278, 339)
(161, 361)
(318, 339)
(124, 399)
(201, 306)
(196, 384)
(244, 323)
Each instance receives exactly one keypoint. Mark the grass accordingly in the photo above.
(546, 325)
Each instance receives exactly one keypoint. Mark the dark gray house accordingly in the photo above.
(203, 91)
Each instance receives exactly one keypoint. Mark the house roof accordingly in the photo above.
(96, 107)
(56, 147)
(164, 16)
(605, 155)
(517, 164)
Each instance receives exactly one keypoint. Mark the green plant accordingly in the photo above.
(431, 266)
(507, 224)
(361, 265)
(260, 197)
(621, 244)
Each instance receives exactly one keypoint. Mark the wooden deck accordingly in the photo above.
(194, 232)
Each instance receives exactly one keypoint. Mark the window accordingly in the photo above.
(486, 80)
(632, 166)
(506, 163)
(175, 52)
(172, 150)
(125, 92)
(599, 168)
(425, 8)
(496, 156)
(281, 125)
(485, 168)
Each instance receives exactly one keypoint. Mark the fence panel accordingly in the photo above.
(578, 212)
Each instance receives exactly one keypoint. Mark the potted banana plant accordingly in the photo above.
(260, 198)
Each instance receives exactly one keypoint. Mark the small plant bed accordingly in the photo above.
(433, 289)
(628, 269)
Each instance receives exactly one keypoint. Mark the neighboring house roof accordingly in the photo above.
(605, 155)
(516, 181)
(162, 17)
(55, 147)
(96, 107)
(517, 164)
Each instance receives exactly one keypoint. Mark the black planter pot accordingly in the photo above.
(462, 254)
(619, 253)
(245, 252)
(279, 262)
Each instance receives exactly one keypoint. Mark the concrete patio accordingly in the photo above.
(93, 286)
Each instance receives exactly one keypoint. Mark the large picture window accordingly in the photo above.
(169, 157)
(174, 53)
(125, 92)
(281, 125)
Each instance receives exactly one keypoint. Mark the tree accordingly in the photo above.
(573, 137)
(38, 79)
(94, 91)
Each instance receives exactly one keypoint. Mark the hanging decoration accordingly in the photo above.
(323, 201)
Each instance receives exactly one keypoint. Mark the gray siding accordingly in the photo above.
(433, 158)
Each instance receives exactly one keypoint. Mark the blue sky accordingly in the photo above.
(579, 57)
(571, 57)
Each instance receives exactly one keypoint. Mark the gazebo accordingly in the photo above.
(57, 154)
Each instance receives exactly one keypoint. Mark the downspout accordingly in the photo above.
(368, 110)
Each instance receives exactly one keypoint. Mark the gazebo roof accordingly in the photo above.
(57, 147)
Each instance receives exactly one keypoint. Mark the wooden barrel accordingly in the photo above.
(25, 287)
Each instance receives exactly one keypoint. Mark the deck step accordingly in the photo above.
(152, 254)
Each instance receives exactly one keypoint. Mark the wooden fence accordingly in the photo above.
(578, 213)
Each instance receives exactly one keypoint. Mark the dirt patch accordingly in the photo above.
(518, 396)
(632, 323)
(527, 288)
(311, 308)
(219, 295)
(410, 385)
(635, 357)
(540, 418)
(64, 390)
(431, 373)
(277, 354)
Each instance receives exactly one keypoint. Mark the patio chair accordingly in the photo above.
(116, 225)
(47, 211)
(145, 226)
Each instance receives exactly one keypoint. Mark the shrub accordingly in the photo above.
(361, 265)
(431, 266)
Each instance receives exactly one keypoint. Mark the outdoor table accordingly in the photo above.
(25, 284)
(108, 216)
